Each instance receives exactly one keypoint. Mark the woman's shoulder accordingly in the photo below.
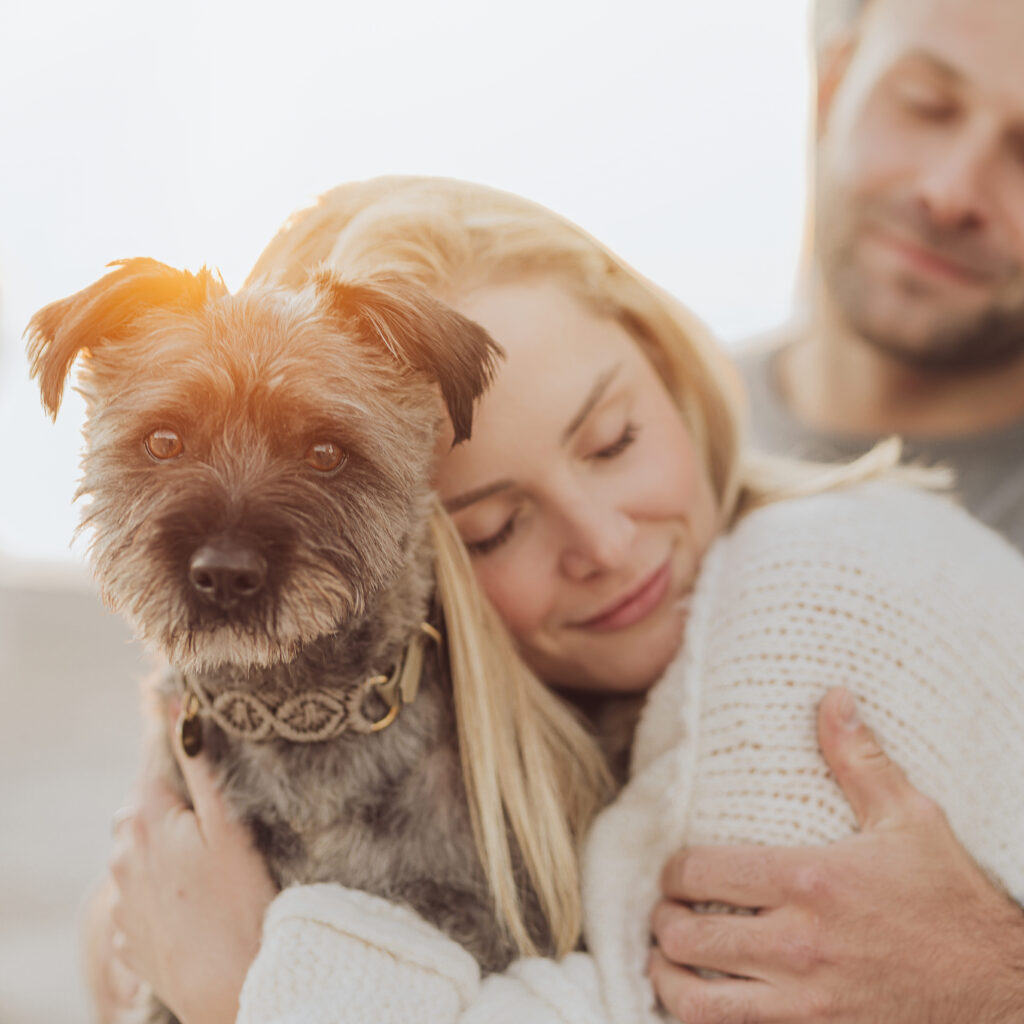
(879, 514)
(899, 537)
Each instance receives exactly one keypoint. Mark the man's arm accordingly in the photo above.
(895, 924)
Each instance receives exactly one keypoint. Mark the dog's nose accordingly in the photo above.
(224, 572)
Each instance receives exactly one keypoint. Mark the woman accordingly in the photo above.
(602, 467)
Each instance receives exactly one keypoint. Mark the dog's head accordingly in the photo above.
(258, 464)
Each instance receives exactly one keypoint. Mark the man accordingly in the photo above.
(915, 320)
(914, 326)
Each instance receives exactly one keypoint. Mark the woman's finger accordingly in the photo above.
(124, 983)
(210, 810)
(122, 815)
(112, 987)
(172, 710)
(156, 799)
(121, 950)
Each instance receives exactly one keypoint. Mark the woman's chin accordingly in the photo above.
(626, 661)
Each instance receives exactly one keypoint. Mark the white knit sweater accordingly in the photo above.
(893, 593)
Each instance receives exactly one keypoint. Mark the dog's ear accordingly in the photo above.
(104, 312)
(421, 332)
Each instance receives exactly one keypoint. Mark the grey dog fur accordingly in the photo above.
(248, 381)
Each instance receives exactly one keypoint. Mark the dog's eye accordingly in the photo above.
(164, 444)
(325, 456)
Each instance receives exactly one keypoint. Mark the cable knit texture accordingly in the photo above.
(349, 956)
(895, 594)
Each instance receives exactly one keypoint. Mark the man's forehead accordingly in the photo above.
(979, 41)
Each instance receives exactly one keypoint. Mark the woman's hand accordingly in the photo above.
(190, 896)
(112, 987)
(894, 924)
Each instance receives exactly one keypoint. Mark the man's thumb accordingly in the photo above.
(877, 789)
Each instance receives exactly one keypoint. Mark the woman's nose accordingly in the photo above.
(597, 540)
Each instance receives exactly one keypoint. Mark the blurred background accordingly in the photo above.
(673, 130)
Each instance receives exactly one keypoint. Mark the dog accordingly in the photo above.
(258, 467)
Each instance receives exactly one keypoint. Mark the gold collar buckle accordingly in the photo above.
(401, 687)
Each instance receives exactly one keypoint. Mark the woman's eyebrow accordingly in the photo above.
(599, 388)
(932, 62)
(469, 497)
(461, 501)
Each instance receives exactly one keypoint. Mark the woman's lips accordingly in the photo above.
(635, 605)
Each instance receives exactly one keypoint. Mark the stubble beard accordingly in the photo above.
(906, 318)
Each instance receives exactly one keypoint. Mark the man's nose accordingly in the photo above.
(952, 186)
(597, 540)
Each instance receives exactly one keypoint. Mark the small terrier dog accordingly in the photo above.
(259, 472)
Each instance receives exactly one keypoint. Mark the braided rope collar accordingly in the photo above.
(310, 717)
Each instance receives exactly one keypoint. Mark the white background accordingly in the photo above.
(673, 130)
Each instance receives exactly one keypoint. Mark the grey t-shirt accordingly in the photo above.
(989, 467)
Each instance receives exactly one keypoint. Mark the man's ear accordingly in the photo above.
(833, 60)
(103, 313)
(421, 332)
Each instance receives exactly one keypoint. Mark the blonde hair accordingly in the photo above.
(831, 19)
(534, 775)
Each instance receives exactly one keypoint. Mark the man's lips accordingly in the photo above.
(635, 604)
(932, 262)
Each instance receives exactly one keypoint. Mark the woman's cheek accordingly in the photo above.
(687, 487)
(517, 591)
(663, 485)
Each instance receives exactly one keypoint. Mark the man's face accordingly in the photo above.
(920, 199)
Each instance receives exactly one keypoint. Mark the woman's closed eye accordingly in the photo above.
(486, 545)
(619, 445)
(924, 98)
(929, 108)
(495, 540)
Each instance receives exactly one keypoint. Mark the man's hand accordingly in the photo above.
(189, 896)
(895, 924)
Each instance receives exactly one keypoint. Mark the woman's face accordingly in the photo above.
(580, 496)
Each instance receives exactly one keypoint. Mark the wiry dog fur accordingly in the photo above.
(249, 382)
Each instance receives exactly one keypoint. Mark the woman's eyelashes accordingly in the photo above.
(619, 445)
(488, 544)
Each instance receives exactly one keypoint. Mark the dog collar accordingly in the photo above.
(310, 717)
(401, 687)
